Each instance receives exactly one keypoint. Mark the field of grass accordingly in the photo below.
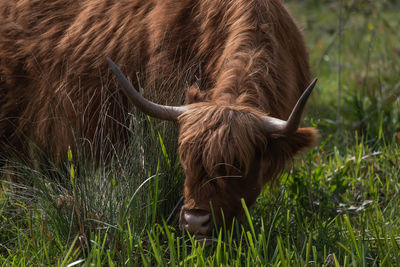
(337, 205)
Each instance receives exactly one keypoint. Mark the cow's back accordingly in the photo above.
(55, 84)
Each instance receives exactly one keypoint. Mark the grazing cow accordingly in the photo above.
(242, 63)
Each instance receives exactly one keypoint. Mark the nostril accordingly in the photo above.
(205, 223)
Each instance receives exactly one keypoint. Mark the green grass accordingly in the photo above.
(337, 205)
(331, 207)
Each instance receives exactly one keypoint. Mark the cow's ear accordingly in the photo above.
(282, 149)
(303, 138)
(290, 145)
(194, 95)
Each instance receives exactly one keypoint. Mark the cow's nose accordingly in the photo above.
(196, 223)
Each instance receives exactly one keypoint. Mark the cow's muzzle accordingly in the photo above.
(196, 222)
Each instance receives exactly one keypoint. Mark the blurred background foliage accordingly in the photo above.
(355, 52)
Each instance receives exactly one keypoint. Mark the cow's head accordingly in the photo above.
(228, 153)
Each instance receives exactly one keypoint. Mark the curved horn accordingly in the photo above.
(277, 126)
(154, 110)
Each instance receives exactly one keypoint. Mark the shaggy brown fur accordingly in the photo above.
(227, 156)
(240, 58)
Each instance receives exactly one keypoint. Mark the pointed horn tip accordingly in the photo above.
(293, 121)
(148, 107)
(307, 91)
(313, 83)
(112, 65)
(118, 73)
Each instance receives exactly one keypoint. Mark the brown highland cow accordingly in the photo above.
(242, 63)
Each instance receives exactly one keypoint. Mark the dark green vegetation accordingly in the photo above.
(339, 203)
